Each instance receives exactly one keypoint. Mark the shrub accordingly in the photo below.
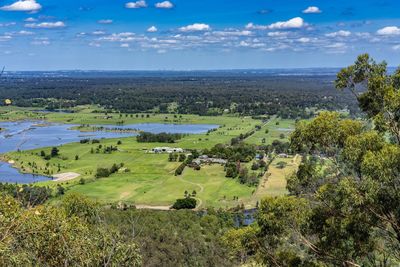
(185, 203)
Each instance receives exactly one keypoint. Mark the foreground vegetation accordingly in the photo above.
(343, 208)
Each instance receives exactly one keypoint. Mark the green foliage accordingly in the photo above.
(185, 203)
(175, 238)
(49, 236)
(240, 152)
(27, 195)
(54, 152)
(345, 205)
(180, 169)
(145, 137)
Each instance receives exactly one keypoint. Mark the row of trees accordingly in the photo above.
(146, 137)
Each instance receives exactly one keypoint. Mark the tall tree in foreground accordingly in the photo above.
(345, 203)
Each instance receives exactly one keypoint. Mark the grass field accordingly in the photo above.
(271, 131)
(151, 180)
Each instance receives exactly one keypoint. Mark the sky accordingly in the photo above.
(195, 34)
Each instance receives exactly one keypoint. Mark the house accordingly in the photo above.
(168, 150)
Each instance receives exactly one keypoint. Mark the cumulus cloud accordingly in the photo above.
(46, 25)
(23, 5)
(389, 31)
(98, 33)
(232, 33)
(30, 19)
(312, 10)
(195, 27)
(152, 29)
(304, 40)
(294, 23)
(137, 4)
(125, 45)
(340, 33)
(278, 34)
(396, 47)
(25, 33)
(165, 5)
(105, 21)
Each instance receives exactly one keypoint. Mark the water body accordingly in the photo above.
(27, 135)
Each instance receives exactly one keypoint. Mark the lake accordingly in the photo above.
(26, 135)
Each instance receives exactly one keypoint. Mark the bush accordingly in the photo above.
(102, 172)
(180, 169)
(185, 203)
(54, 152)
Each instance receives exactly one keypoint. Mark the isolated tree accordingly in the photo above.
(54, 152)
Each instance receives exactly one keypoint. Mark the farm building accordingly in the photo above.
(167, 150)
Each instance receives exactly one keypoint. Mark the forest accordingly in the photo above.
(288, 96)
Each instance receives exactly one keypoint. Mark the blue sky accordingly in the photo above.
(195, 34)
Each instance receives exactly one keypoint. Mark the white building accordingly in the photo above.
(168, 150)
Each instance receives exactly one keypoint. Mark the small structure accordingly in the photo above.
(168, 150)
(259, 156)
(204, 159)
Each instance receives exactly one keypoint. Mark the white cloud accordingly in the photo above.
(227, 33)
(30, 19)
(23, 5)
(278, 34)
(4, 38)
(125, 45)
(340, 33)
(8, 24)
(195, 27)
(396, 47)
(252, 26)
(98, 33)
(165, 5)
(42, 42)
(94, 44)
(25, 33)
(152, 29)
(137, 4)
(304, 40)
(312, 10)
(294, 23)
(46, 25)
(388, 31)
(105, 21)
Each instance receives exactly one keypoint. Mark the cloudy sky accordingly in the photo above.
(195, 34)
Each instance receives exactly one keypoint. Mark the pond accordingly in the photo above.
(26, 135)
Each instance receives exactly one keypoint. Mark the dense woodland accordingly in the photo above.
(287, 96)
